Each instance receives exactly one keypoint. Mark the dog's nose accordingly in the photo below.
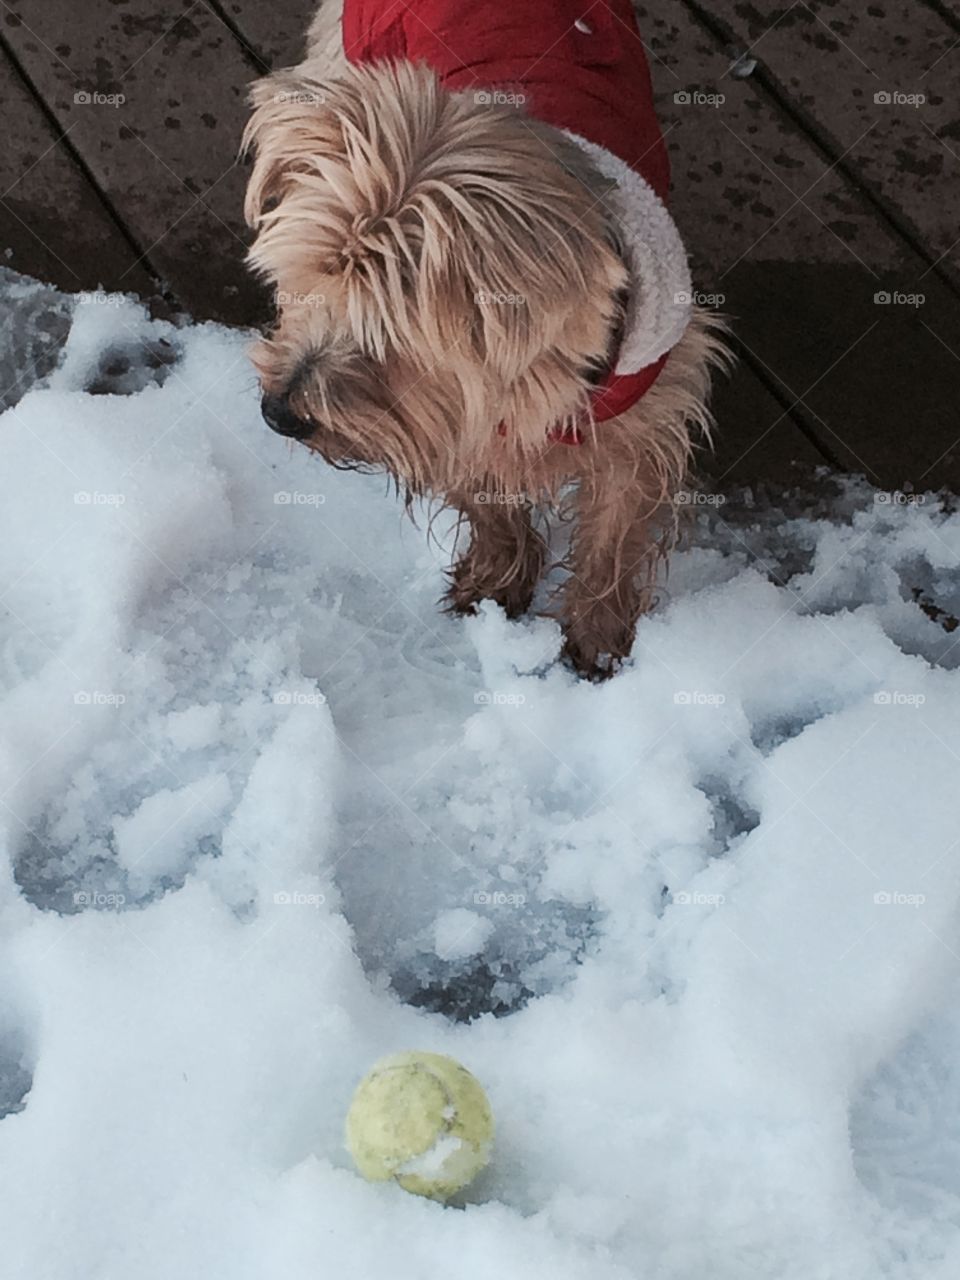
(280, 417)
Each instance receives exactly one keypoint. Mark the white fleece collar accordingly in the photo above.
(659, 308)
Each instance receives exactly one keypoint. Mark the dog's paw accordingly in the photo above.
(589, 662)
(462, 604)
(463, 596)
(597, 644)
(514, 600)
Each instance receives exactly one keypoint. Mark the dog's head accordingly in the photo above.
(441, 264)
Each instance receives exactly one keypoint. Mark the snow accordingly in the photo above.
(442, 1160)
(459, 933)
(267, 815)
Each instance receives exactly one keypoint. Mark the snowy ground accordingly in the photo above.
(266, 815)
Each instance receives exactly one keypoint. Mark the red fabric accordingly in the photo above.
(595, 83)
(614, 396)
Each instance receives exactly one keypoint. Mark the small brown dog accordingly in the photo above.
(480, 300)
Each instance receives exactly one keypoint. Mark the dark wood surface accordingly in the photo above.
(800, 195)
(275, 32)
(152, 97)
(54, 222)
(801, 227)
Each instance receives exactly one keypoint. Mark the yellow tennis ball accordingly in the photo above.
(422, 1120)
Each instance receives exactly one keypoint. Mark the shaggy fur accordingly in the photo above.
(449, 285)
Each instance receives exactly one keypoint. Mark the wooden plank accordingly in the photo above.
(276, 32)
(53, 224)
(153, 93)
(756, 437)
(798, 254)
(746, 180)
(878, 85)
(949, 10)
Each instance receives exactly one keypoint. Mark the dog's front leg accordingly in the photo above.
(612, 562)
(504, 558)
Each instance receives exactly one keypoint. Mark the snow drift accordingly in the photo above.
(266, 815)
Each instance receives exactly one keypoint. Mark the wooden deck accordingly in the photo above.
(816, 167)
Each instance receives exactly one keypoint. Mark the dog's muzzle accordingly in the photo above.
(280, 418)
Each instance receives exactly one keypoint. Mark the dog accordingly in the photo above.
(462, 211)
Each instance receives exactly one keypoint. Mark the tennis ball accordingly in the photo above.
(422, 1120)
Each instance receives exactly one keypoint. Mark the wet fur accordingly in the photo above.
(387, 210)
